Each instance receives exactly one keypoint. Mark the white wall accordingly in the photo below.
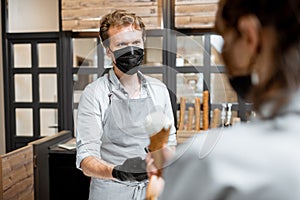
(33, 15)
(2, 130)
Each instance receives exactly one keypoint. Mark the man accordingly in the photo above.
(111, 134)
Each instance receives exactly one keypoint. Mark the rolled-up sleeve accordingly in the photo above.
(89, 125)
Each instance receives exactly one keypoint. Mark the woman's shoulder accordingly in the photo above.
(218, 139)
(246, 138)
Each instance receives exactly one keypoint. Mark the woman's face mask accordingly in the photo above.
(128, 59)
(242, 85)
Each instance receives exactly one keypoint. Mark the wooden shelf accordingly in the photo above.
(183, 135)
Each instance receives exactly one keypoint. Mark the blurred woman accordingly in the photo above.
(258, 160)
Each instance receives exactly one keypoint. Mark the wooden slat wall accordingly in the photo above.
(84, 15)
(195, 14)
(16, 173)
(81, 15)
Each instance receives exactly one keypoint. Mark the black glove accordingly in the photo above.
(133, 169)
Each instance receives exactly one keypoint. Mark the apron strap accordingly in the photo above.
(139, 190)
(109, 88)
(109, 84)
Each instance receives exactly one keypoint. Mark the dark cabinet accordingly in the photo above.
(66, 181)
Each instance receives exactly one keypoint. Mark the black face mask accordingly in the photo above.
(242, 85)
(128, 59)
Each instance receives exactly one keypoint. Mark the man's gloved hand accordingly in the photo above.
(133, 169)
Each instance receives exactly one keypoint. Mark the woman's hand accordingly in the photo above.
(150, 168)
(155, 187)
(156, 182)
(156, 160)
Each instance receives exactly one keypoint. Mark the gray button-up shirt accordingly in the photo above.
(94, 102)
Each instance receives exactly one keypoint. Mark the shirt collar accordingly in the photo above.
(114, 79)
(116, 83)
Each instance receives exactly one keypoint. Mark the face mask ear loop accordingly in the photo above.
(254, 75)
(113, 60)
(254, 78)
(110, 50)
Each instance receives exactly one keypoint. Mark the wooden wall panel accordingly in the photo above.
(80, 25)
(194, 21)
(78, 15)
(195, 14)
(17, 177)
(184, 9)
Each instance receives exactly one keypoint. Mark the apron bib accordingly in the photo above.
(124, 136)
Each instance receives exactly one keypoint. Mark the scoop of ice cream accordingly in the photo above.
(156, 121)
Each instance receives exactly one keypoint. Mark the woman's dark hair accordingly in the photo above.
(283, 16)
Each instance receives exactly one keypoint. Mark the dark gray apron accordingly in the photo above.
(124, 136)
